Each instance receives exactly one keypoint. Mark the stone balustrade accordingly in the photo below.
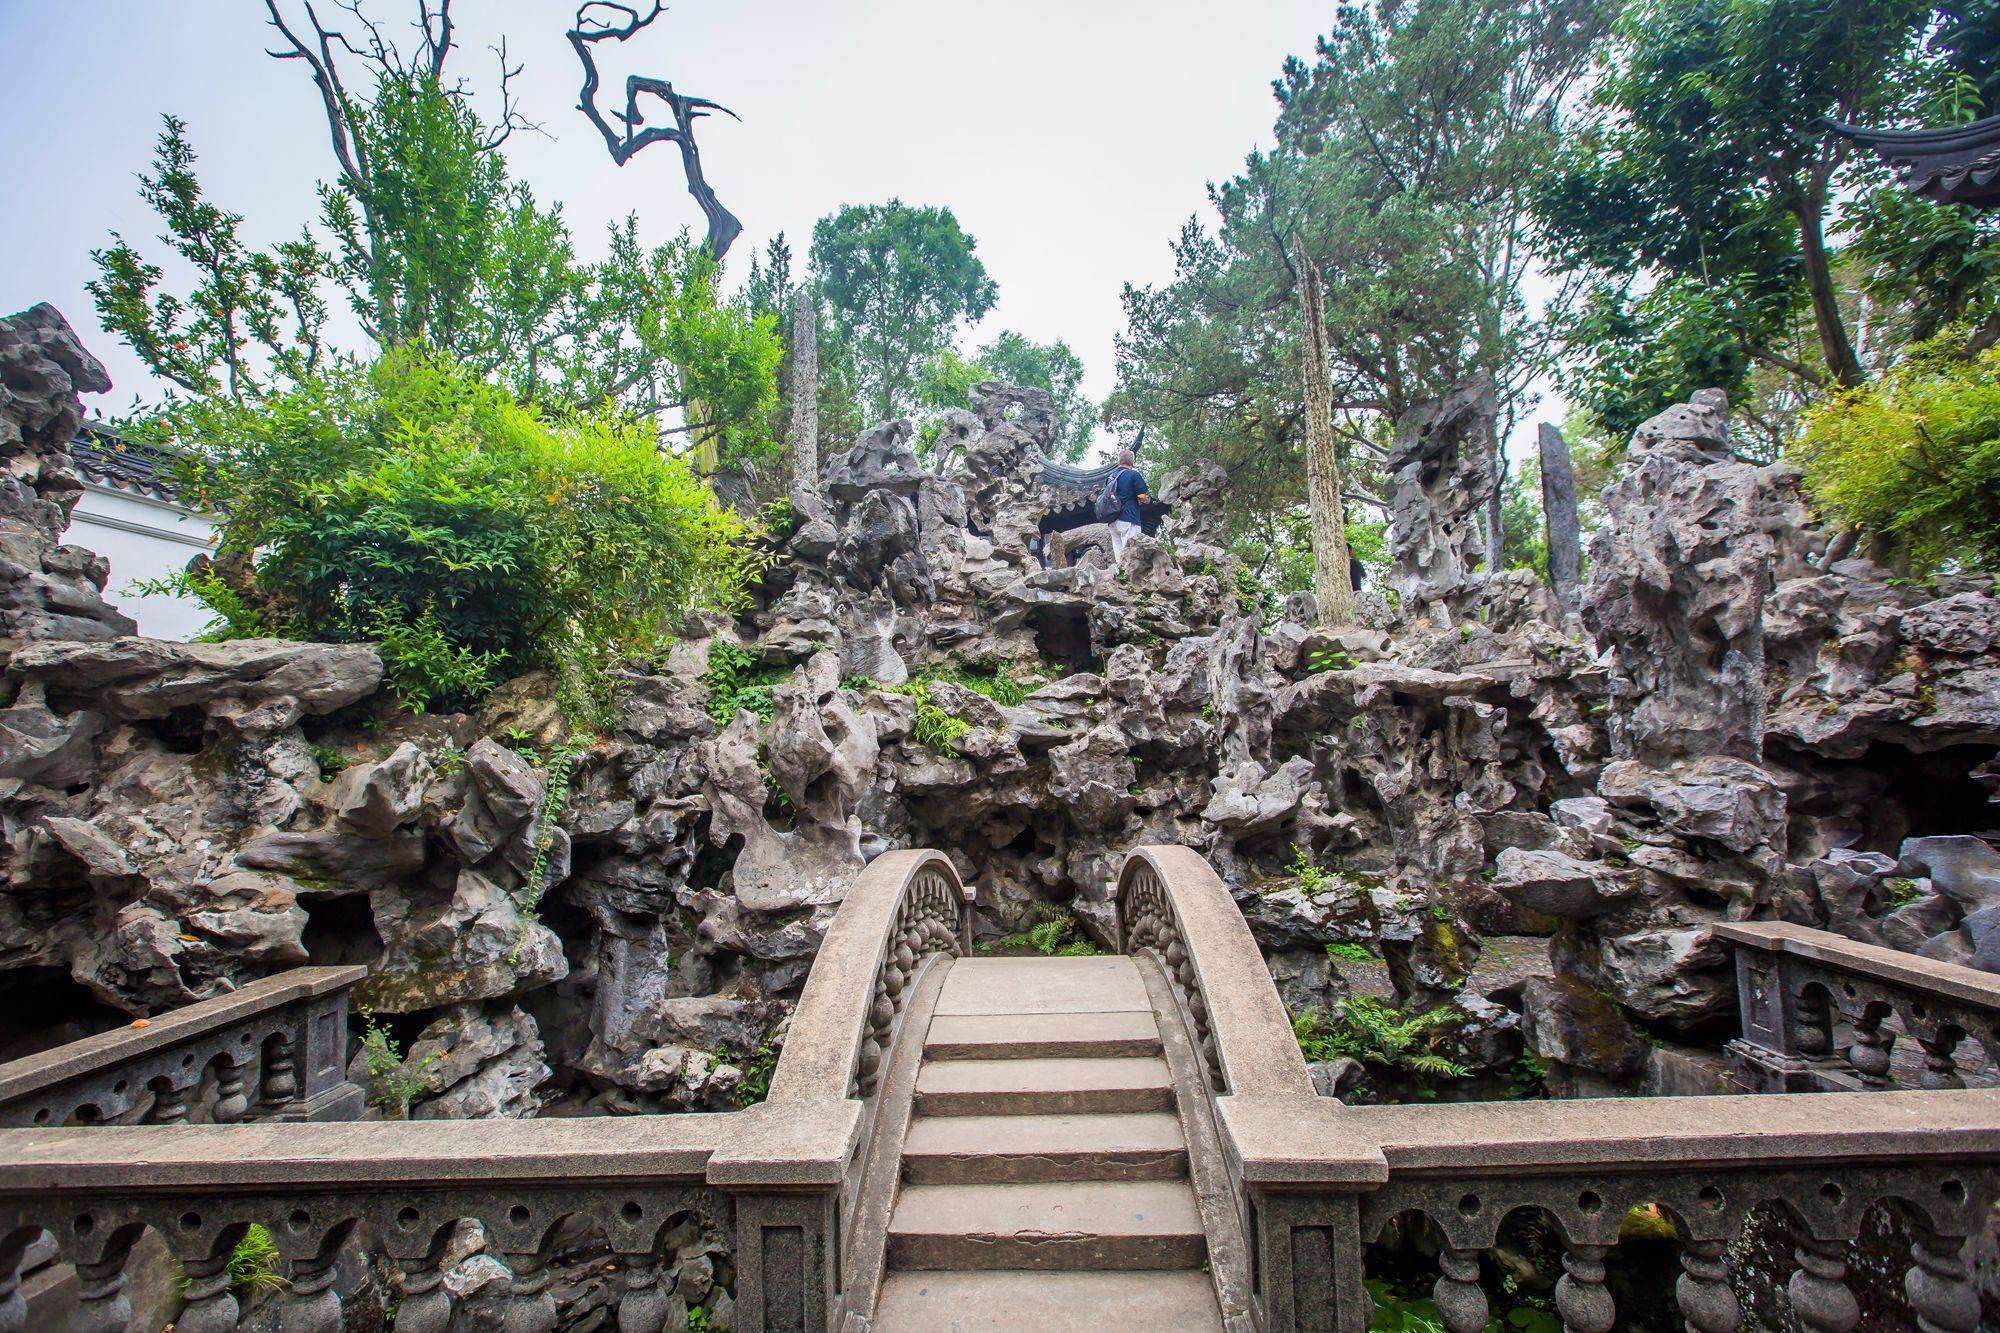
(395, 1190)
(275, 1049)
(1823, 1013)
(1321, 1182)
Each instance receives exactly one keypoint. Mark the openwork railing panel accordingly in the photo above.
(396, 1189)
(1824, 1013)
(275, 1049)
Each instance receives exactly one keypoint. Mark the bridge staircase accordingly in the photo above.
(1044, 1182)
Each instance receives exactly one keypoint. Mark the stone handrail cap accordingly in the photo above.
(1253, 1036)
(275, 1156)
(804, 1145)
(1966, 984)
(1294, 1141)
(23, 1077)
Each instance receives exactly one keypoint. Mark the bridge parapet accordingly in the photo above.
(275, 1049)
(1320, 1181)
(1823, 1013)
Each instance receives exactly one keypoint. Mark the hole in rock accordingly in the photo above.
(181, 731)
(1063, 638)
(340, 929)
(45, 1008)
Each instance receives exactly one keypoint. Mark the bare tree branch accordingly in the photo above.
(594, 25)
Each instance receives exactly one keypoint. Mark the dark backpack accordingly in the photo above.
(1108, 502)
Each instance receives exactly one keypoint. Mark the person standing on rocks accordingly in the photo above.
(1132, 492)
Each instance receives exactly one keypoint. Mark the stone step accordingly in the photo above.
(1027, 1149)
(1003, 1302)
(1126, 1225)
(1041, 1036)
(1109, 984)
(1038, 1086)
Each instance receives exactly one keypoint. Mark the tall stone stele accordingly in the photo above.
(805, 388)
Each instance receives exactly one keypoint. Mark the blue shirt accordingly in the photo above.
(1128, 486)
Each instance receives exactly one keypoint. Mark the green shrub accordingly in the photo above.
(1375, 1033)
(391, 1082)
(234, 617)
(411, 503)
(253, 1264)
(1914, 457)
(736, 682)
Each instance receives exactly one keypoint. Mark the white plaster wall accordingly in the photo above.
(143, 538)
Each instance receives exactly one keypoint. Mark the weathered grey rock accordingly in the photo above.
(1568, 1023)
(482, 1062)
(1560, 885)
(257, 686)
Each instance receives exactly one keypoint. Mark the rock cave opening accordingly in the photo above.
(1876, 799)
(46, 1007)
(182, 731)
(340, 930)
(1062, 637)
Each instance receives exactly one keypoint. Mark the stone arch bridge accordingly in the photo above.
(959, 1142)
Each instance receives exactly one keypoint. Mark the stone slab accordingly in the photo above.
(1044, 1087)
(1042, 986)
(1030, 1149)
(1023, 1036)
(1125, 1225)
(1004, 1302)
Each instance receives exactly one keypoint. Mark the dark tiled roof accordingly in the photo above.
(1959, 164)
(107, 458)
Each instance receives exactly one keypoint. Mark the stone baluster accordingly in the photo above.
(1939, 1285)
(1940, 1057)
(1581, 1297)
(1707, 1302)
(1869, 1052)
(278, 1085)
(644, 1305)
(13, 1310)
(1814, 1035)
(426, 1304)
(1818, 1291)
(310, 1303)
(211, 1306)
(1460, 1300)
(532, 1308)
(170, 1103)
(231, 1105)
(101, 1303)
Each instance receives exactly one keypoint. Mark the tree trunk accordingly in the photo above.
(805, 390)
(1559, 517)
(1834, 344)
(1496, 522)
(1332, 587)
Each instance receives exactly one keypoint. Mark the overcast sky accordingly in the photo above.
(1071, 137)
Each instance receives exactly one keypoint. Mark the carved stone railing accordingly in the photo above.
(775, 1182)
(1703, 1163)
(397, 1189)
(1320, 1182)
(801, 1156)
(1818, 1010)
(275, 1049)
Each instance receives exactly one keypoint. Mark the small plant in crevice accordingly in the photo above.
(1314, 879)
(757, 1067)
(1900, 893)
(253, 1264)
(736, 682)
(1057, 935)
(391, 1082)
(1376, 1033)
(448, 761)
(1351, 951)
(329, 759)
(557, 768)
(1530, 1079)
(1329, 659)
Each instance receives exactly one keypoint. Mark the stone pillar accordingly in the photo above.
(1559, 517)
(805, 389)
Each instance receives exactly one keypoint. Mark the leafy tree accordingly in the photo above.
(251, 316)
(1699, 197)
(413, 504)
(1913, 459)
(897, 280)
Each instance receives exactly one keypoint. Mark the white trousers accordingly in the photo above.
(1121, 532)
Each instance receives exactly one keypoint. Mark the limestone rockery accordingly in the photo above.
(1744, 721)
